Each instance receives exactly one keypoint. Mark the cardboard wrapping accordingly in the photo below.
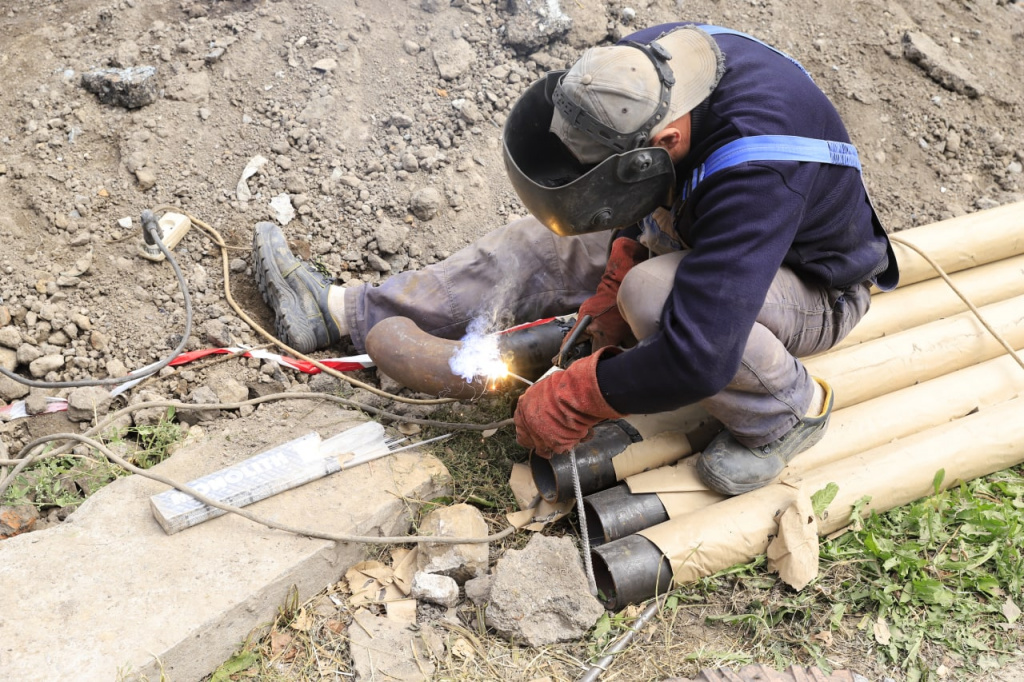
(933, 299)
(916, 408)
(651, 453)
(877, 367)
(961, 243)
(688, 419)
(740, 528)
(857, 428)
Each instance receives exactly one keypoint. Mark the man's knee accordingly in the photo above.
(644, 290)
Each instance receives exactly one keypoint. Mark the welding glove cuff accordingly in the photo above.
(607, 327)
(560, 411)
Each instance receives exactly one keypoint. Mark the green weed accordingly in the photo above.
(936, 582)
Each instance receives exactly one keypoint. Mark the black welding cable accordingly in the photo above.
(150, 226)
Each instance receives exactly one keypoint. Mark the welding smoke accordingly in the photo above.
(479, 355)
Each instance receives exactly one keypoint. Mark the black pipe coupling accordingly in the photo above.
(553, 477)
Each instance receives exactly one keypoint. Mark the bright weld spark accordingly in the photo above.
(516, 376)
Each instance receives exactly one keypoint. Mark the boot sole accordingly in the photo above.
(289, 321)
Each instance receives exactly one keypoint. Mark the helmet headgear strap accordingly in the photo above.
(581, 119)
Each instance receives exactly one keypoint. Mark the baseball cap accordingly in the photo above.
(620, 87)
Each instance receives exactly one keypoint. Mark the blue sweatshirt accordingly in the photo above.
(742, 224)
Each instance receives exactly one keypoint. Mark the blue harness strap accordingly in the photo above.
(773, 148)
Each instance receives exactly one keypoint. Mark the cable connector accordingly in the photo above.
(170, 229)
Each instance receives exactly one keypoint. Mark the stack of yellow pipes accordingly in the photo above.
(920, 386)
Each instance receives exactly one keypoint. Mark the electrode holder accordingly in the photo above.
(171, 227)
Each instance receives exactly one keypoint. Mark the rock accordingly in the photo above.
(40, 367)
(382, 648)
(11, 390)
(148, 416)
(8, 359)
(130, 88)
(230, 390)
(940, 67)
(35, 402)
(204, 395)
(425, 203)
(454, 59)
(10, 337)
(238, 265)
(27, 353)
(436, 589)
(433, 6)
(17, 519)
(5, 316)
(217, 333)
(115, 368)
(532, 24)
(478, 590)
(461, 562)
(88, 402)
(146, 178)
(390, 236)
(377, 263)
(98, 340)
(539, 594)
(325, 65)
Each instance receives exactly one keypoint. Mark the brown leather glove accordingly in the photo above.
(608, 328)
(560, 410)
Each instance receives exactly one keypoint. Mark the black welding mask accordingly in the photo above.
(569, 197)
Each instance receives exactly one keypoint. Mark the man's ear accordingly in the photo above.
(667, 138)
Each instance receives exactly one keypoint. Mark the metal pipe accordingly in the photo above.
(630, 570)
(529, 351)
(615, 513)
(420, 361)
(553, 477)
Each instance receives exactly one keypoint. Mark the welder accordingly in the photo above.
(694, 194)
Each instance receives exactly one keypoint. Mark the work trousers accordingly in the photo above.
(522, 272)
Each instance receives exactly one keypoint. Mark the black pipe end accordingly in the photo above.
(616, 512)
(544, 477)
(630, 570)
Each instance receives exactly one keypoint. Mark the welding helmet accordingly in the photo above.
(570, 197)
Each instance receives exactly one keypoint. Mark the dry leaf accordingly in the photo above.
(463, 649)
(407, 429)
(279, 641)
(335, 626)
(825, 637)
(302, 621)
(882, 634)
(489, 432)
(1011, 610)
(401, 610)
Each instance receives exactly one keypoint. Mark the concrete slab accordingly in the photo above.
(108, 595)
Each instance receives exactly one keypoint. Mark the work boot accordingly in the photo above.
(730, 468)
(295, 291)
